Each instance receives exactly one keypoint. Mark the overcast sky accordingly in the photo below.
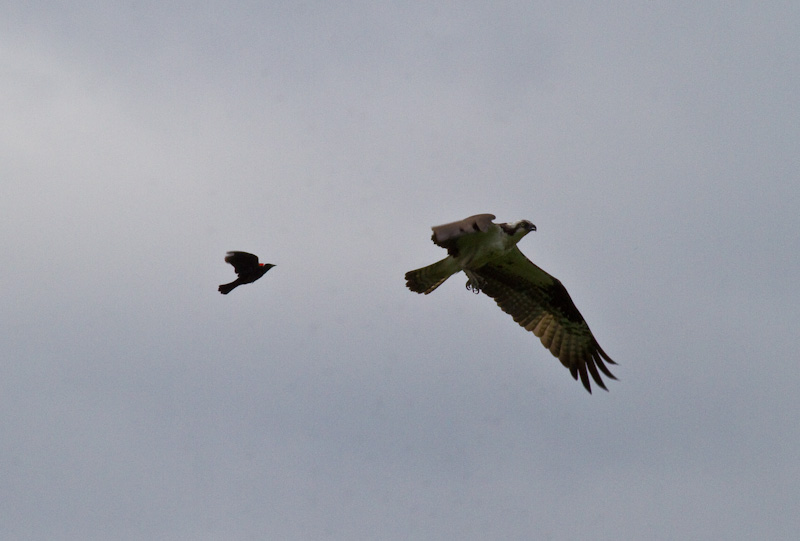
(654, 147)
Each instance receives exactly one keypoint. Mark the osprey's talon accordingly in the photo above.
(473, 287)
(475, 282)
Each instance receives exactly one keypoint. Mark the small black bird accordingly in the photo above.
(247, 267)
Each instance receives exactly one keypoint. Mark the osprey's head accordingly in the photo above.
(518, 229)
(524, 224)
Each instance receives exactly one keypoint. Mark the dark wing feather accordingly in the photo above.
(446, 235)
(541, 304)
(242, 261)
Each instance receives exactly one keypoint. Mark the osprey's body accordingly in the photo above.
(471, 244)
(488, 255)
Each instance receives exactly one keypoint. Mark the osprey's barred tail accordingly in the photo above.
(428, 278)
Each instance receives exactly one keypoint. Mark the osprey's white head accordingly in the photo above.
(517, 230)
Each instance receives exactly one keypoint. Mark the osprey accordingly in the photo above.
(247, 267)
(487, 253)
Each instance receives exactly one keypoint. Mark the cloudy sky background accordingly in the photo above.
(655, 148)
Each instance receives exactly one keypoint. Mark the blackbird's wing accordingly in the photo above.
(241, 261)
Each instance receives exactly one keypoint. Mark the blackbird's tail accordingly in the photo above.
(227, 288)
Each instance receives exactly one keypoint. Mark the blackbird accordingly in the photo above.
(247, 268)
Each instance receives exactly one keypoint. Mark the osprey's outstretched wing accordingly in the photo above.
(541, 304)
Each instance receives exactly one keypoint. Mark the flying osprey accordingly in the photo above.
(247, 268)
(487, 253)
